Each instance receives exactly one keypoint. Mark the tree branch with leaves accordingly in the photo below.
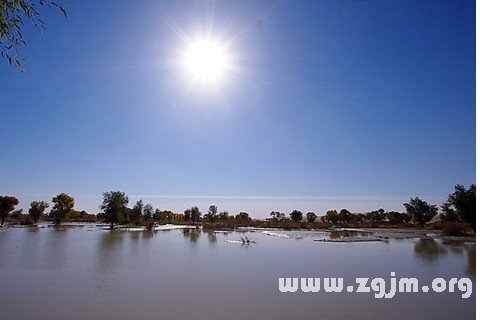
(14, 14)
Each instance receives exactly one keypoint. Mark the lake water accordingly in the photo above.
(88, 273)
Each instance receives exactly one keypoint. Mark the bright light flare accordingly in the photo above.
(206, 60)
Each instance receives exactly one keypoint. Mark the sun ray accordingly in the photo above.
(205, 60)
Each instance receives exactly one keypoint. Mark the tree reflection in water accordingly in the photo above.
(428, 250)
(191, 234)
(337, 234)
(212, 236)
(147, 234)
(471, 258)
(108, 253)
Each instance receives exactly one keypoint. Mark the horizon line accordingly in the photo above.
(257, 198)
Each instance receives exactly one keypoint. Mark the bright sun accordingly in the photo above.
(206, 60)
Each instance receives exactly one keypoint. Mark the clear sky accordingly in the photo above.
(326, 105)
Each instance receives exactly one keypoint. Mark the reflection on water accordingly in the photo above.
(33, 229)
(212, 236)
(57, 247)
(429, 250)
(148, 234)
(457, 250)
(74, 274)
(471, 257)
(135, 235)
(191, 234)
(337, 234)
(109, 250)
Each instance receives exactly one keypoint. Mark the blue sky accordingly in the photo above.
(331, 104)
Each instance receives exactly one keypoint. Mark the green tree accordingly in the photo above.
(37, 209)
(136, 214)
(359, 218)
(80, 216)
(113, 206)
(62, 205)
(311, 217)
(223, 216)
(158, 215)
(345, 216)
(421, 211)
(195, 214)
(211, 214)
(376, 216)
(296, 215)
(395, 217)
(7, 205)
(187, 215)
(331, 216)
(277, 216)
(448, 213)
(463, 201)
(169, 215)
(148, 212)
(13, 16)
(242, 216)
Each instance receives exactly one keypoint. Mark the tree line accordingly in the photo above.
(114, 210)
(459, 207)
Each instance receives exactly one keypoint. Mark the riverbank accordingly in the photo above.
(422, 233)
(338, 234)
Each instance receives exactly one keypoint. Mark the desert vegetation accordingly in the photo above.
(456, 216)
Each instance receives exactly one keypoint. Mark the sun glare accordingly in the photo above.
(205, 60)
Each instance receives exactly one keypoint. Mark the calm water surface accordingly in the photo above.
(87, 273)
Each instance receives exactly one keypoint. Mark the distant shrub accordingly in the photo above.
(149, 224)
(25, 220)
(29, 221)
(138, 221)
(453, 229)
